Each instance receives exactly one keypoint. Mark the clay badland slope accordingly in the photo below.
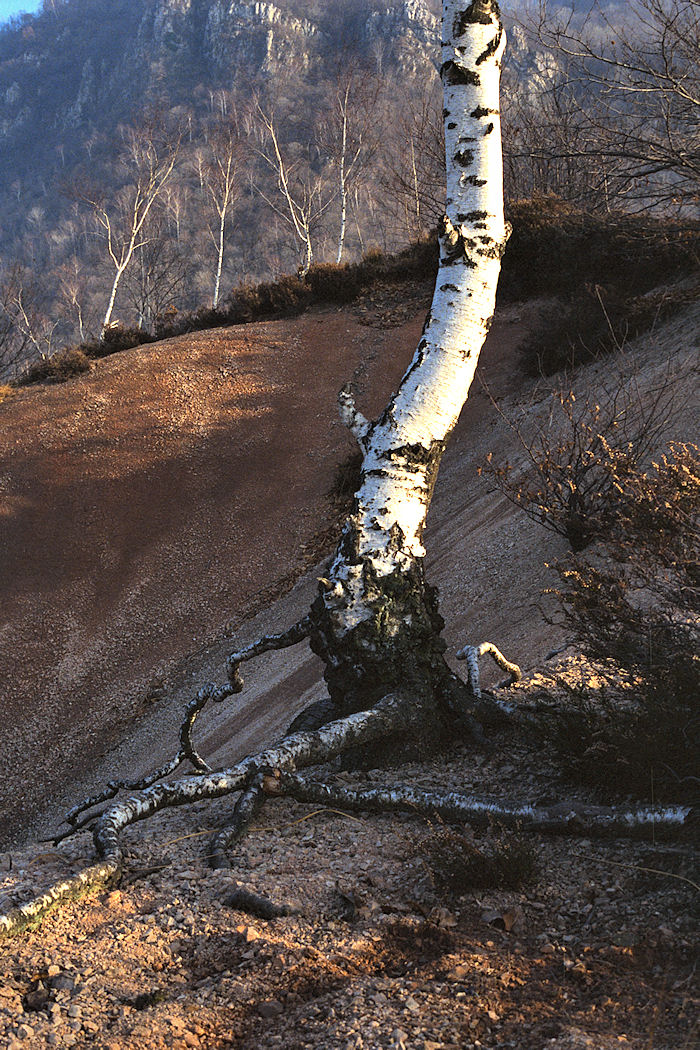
(149, 503)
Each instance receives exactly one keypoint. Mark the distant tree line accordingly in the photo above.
(245, 183)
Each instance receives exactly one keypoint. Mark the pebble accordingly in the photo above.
(271, 1008)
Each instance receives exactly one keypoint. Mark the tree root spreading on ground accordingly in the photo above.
(273, 772)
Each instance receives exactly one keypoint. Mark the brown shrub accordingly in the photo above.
(583, 453)
(457, 864)
(56, 369)
(635, 609)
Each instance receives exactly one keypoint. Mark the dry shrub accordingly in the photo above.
(594, 322)
(557, 249)
(56, 369)
(457, 864)
(582, 455)
(115, 338)
(334, 283)
(600, 267)
(6, 392)
(634, 606)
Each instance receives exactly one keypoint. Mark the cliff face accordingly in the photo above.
(78, 70)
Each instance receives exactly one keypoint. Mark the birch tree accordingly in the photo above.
(349, 136)
(375, 621)
(218, 171)
(148, 159)
(301, 190)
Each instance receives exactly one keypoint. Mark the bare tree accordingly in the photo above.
(301, 187)
(636, 75)
(349, 135)
(14, 335)
(72, 288)
(25, 330)
(218, 169)
(147, 160)
(375, 620)
(156, 279)
(414, 163)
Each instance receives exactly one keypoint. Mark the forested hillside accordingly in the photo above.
(157, 153)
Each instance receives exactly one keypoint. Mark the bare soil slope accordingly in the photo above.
(144, 506)
(595, 954)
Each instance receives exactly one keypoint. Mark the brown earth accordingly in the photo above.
(144, 506)
(596, 953)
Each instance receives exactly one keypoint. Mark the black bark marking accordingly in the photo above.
(464, 158)
(449, 288)
(479, 12)
(457, 76)
(459, 257)
(472, 180)
(482, 111)
(488, 129)
(451, 126)
(472, 216)
(491, 48)
(416, 456)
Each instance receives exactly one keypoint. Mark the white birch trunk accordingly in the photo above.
(219, 257)
(403, 447)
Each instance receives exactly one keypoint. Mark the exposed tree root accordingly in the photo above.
(472, 653)
(564, 818)
(392, 714)
(273, 772)
(249, 804)
(296, 633)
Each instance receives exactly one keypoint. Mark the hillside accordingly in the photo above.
(594, 954)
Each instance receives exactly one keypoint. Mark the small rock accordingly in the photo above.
(113, 899)
(25, 1031)
(514, 919)
(74, 1011)
(412, 1005)
(248, 933)
(53, 970)
(62, 983)
(190, 1039)
(271, 1008)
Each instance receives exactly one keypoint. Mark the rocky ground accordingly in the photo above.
(595, 951)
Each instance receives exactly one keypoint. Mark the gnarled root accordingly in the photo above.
(564, 818)
(296, 633)
(472, 654)
(393, 713)
(274, 772)
(249, 804)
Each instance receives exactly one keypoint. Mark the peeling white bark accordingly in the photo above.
(559, 819)
(403, 448)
